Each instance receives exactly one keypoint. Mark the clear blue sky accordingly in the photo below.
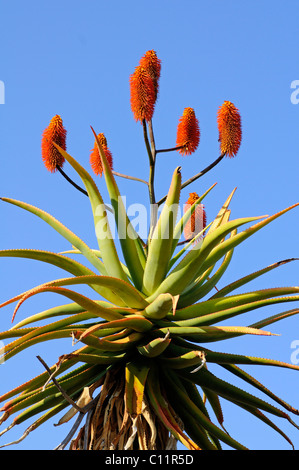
(74, 58)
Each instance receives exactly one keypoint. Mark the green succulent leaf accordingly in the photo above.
(131, 245)
(155, 347)
(199, 415)
(219, 251)
(230, 392)
(160, 245)
(213, 333)
(61, 310)
(136, 373)
(62, 230)
(189, 268)
(102, 228)
(201, 289)
(111, 344)
(86, 303)
(224, 304)
(160, 406)
(126, 292)
(255, 383)
(258, 414)
(250, 277)
(160, 307)
(219, 219)
(60, 261)
(179, 228)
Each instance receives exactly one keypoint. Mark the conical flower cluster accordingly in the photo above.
(152, 65)
(229, 126)
(188, 133)
(55, 132)
(198, 219)
(95, 158)
(144, 84)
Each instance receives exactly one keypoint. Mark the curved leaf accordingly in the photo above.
(104, 358)
(197, 292)
(160, 307)
(250, 277)
(200, 416)
(102, 229)
(65, 232)
(222, 213)
(10, 351)
(85, 374)
(192, 358)
(228, 358)
(252, 381)
(186, 247)
(61, 310)
(39, 381)
(213, 333)
(188, 269)
(86, 303)
(231, 392)
(155, 347)
(136, 374)
(60, 261)
(160, 406)
(129, 240)
(219, 251)
(179, 228)
(25, 333)
(98, 254)
(258, 414)
(114, 344)
(135, 322)
(160, 245)
(129, 295)
(215, 306)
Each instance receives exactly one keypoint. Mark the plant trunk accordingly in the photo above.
(108, 425)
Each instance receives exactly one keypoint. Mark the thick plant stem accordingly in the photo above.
(152, 140)
(147, 144)
(151, 150)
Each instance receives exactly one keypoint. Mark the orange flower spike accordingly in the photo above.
(198, 219)
(95, 159)
(143, 94)
(230, 130)
(55, 132)
(188, 132)
(152, 65)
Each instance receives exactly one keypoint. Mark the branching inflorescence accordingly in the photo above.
(139, 373)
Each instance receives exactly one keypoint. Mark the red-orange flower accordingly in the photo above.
(55, 132)
(95, 159)
(188, 133)
(152, 65)
(230, 130)
(143, 95)
(198, 219)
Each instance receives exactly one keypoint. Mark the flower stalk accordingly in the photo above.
(142, 329)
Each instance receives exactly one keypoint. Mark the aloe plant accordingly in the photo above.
(137, 375)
